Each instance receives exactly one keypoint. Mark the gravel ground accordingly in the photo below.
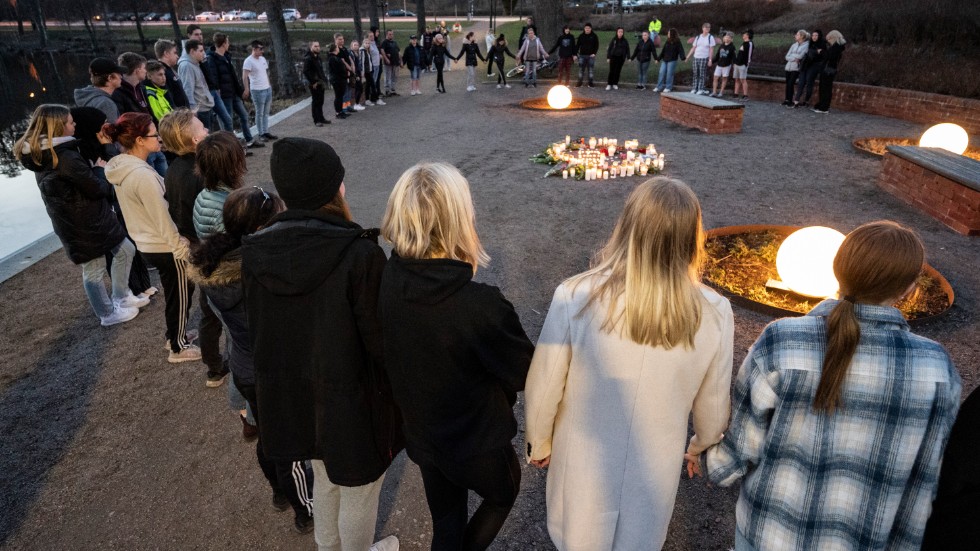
(103, 444)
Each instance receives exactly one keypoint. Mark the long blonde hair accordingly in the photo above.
(653, 262)
(47, 122)
(430, 215)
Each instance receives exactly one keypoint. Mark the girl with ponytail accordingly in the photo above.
(841, 416)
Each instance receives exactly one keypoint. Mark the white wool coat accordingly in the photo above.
(613, 416)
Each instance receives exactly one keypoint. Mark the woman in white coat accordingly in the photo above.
(628, 350)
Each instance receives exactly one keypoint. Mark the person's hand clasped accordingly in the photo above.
(541, 463)
(693, 465)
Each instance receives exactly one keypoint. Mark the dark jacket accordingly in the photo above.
(77, 202)
(565, 45)
(644, 51)
(414, 57)
(472, 51)
(131, 99)
(439, 54)
(182, 186)
(497, 53)
(672, 51)
(816, 54)
(588, 44)
(834, 53)
(953, 525)
(725, 56)
(456, 355)
(391, 49)
(337, 70)
(311, 295)
(313, 69)
(175, 90)
(744, 55)
(523, 35)
(227, 297)
(618, 47)
(220, 70)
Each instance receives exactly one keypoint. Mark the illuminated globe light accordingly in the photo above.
(805, 261)
(559, 97)
(948, 136)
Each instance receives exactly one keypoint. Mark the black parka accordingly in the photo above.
(456, 355)
(311, 296)
(77, 201)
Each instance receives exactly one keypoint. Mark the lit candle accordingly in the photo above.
(630, 155)
(592, 142)
(588, 174)
(605, 174)
(629, 170)
(622, 170)
(612, 150)
(564, 174)
(650, 149)
(643, 170)
(568, 140)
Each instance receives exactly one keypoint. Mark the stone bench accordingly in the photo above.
(943, 184)
(707, 114)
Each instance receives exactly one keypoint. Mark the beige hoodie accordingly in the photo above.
(140, 192)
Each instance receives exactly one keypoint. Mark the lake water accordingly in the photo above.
(23, 219)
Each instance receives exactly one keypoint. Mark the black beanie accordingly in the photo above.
(307, 173)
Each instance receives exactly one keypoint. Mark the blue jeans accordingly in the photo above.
(224, 119)
(666, 79)
(237, 402)
(641, 78)
(415, 72)
(159, 163)
(236, 104)
(531, 72)
(93, 276)
(263, 104)
(586, 64)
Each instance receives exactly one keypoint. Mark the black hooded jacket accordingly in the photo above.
(222, 73)
(77, 202)
(588, 44)
(313, 69)
(565, 45)
(311, 297)
(456, 355)
(131, 99)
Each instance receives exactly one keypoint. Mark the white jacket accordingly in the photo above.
(140, 192)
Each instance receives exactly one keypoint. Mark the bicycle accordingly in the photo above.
(545, 69)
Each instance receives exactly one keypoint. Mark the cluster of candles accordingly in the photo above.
(603, 159)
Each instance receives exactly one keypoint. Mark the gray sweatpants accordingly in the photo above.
(343, 517)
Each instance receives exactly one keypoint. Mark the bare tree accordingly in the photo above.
(285, 72)
(548, 18)
(420, 18)
(355, 4)
(139, 23)
(36, 16)
(373, 13)
(173, 20)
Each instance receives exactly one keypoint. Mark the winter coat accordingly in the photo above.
(158, 101)
(195, 84)
(497, 53)
(588, 44)
(672, 51)
(223, 75)
(472, 51)
(313, 69)
(565, 45)
(413, 57)
(816, 54)
(208, 209)
(439, 54)
(795, 56)
(175, 89)
(90, 96)
(532, 50)
(140, 192)
(644, 51)
(834, 53)
(131, 99)
(456, 355)
(337, 69)
(77, 202)
(183, 185)
(618, 47)
(227, 297)
(311, 293)
(613, 415)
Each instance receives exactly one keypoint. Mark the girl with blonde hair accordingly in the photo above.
(628, 350)
(835, 51)
(841, 416)
(455, 353)
(77, 201)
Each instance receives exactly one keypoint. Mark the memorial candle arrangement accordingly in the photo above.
(600, 158)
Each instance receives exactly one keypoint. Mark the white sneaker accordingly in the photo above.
(608, 87)
(506, 85)
(380, 102)
(615, 87)
(388, 544)
(120, 315)
(369, 103)
(133, 301)
(704, 92)
(499, 87)
(668, 90)
(190, 354)
(358, 107)
(149, 292)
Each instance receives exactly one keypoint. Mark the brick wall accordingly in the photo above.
(906, 105)
(712, 121)
(950, 202)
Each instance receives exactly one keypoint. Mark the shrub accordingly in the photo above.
(687, 18)
(945, 24)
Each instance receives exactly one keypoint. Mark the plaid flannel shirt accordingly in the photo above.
(862, 478)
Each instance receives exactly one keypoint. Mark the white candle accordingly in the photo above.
(643, 170)
(630, 155)
(612, 150)
(564, 174)
(629, 170)
(588, 174)
(592, 142)
(568, 140)
(622, 170)
(605, 174)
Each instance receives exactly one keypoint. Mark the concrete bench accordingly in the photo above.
(707, 114)
(943, 184)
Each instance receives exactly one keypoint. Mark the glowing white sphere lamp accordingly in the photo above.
(948, 136)
(805, 261)
(559, 97)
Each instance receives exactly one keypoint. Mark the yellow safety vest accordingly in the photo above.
(655, 26)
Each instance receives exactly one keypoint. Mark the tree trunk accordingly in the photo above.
(174, 24)
(373, 15)
(549, 19)
(139, 25)
(37, 20)
(420, 18)
(91, 34)
(20, 21)
(285, 72)
(355, 4)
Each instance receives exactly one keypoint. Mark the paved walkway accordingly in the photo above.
(104, 445)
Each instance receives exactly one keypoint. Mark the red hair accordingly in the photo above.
(127, 128)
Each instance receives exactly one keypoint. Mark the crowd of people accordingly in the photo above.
(341, 356)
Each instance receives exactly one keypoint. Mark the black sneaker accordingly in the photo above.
(254, 143)
(393, 93)
(279, 501)
(578, 84)
(303, 523)
(269, 136)
(591, 85)
(342, 115)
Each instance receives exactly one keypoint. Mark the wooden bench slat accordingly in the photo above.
(705, 101)
(960, 169)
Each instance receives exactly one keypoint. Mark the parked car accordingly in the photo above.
(165, 17)
(291, 14)
(400, 13)
(207, 16)
(152, 16)
(263, 17)
(230, 15)
(312, 16)
(247, 16)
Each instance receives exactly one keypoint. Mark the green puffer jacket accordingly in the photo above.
(207, 212)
